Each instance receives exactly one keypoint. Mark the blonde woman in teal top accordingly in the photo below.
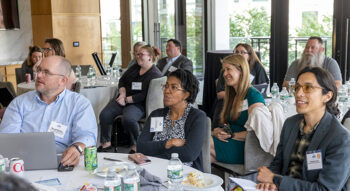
(240, 99)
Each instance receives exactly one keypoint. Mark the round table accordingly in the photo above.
(99, 95)
(79, 176)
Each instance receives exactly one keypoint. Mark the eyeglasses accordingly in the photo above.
(46, 49)
(307, 88)
(241, 52)
(46, 73)
(172, 87)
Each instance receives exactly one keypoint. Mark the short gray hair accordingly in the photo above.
(65, 66)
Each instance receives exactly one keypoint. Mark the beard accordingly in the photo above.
(310, 60)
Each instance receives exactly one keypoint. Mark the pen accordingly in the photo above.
(110, 159)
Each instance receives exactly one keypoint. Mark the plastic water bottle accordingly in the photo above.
(78, 72)
(343, 98)
(284, 95)
(2, 164)
(348, 86)
(175, 173)
(132, 179)
(89, 76)
(115, 72)
(112, 181)
(291, 87)
(275, 91)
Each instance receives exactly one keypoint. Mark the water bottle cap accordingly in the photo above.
(174, 155)
(131, 166)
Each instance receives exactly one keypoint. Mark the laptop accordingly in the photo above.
(262, 88)
(6, 97)
(37, 150)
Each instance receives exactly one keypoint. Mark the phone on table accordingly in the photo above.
(139, 158)
(62, 168)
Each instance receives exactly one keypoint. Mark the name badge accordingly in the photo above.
(136, 86)
(245, 105)
(172, 69)
(58, 129)
(314, 160)
(156, 124)
(251, 77)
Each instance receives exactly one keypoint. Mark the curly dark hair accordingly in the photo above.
(188, 82)
(14, 183)
(326, 81)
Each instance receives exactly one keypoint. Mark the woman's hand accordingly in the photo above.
(265, 175)
(220, 134)
(267, 186)
(174, 142)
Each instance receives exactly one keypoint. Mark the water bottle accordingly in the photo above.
(291, 87)
(274, 92)
(115, 72)
(343, 98)
(175, 173)
(348, 86)
(284, 95)
(131, 179)
(2, 164)
(89, 76)
(112, 181)
(78, 72)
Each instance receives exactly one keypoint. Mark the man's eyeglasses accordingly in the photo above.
(172, 87)
(240, 52)
(307, 88)
(47, 73)
(46, 49)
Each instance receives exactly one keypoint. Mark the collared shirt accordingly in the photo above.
(169, 61)
(28, 113)
(298, 155)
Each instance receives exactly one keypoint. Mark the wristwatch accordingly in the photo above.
(78, 148)
(126, 100)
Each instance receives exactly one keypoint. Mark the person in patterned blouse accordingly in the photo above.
(179, 127)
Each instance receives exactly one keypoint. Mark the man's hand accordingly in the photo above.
(175, 142)
(221, 134)
(267, 187)
(70, 157)
(121, 100)
(265, 175)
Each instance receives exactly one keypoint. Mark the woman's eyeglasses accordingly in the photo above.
(46, 49)
(240, 52)
(171, 87)
(307, 88)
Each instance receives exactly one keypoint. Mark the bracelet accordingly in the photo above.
(126, 100)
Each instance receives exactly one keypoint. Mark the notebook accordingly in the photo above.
(37, 150)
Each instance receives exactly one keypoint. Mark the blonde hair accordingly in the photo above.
(233, 99)
(152, 50)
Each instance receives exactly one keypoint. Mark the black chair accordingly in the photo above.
(19, 76)
(98, 63)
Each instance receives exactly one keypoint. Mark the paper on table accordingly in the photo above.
(42, 187)
(246, 185)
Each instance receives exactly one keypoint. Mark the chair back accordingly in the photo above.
(154, 98)
(19, 75)
(254, 155)
(76, 87)
(206, 148)
(9, 87)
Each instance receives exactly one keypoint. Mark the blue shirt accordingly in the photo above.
(28, 113)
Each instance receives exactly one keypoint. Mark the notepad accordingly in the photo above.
(246, 185)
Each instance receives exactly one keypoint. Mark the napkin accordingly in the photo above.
(150, 182)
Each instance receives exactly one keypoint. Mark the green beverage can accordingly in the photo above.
(90, 158)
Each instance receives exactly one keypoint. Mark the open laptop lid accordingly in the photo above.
(6, 97)
(38, 150)
(262, 88)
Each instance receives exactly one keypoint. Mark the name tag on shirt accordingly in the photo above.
(58, 129)
(172, 69)
(156, 124)
(245, 105)
(136, 86)
(314, 160)
(251, 77)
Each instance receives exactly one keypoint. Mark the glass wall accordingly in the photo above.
(166, 16)
(313, 18)
(110, 22)
(136, 21)
(250, 23)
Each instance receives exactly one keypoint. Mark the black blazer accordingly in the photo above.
(181, 62)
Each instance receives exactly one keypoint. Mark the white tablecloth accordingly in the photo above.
(99, 96)
(79, 176)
